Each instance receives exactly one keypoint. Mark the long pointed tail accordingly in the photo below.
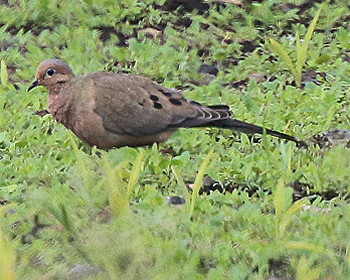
(251, 128)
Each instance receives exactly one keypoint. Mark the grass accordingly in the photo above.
(68, 210)
(297, 67)
(7, 261)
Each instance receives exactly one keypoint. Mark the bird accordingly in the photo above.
(109, 110)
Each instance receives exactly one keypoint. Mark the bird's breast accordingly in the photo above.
(61, 110)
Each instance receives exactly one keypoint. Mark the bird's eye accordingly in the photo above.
(50, 72)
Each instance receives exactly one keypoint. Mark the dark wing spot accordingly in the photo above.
(157, 105)
(166, 93)
(154, 97)
(175, 101)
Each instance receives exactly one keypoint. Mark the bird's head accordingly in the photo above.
(50, 73)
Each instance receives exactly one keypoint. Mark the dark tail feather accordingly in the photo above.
(251, 128)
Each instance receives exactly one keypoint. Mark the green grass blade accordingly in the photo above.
(287, 159)
(318, 249)
(198, 181)
(331, 112)
(181, 183)
(306, 246)
(62, 215)
(299, 66)
(296, 207)
(280, 198)
(304, 272)
(302, 49)
(135, 171)
(289, 214)
(7, 260)
(297, 41)
(65, 219)
(118, 197)
(279, 201)
(281, 52)
(3, 74)
(310, 30)
(85, 175)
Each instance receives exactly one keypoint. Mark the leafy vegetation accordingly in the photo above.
(69, 211)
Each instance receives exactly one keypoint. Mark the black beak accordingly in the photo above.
(33, 85)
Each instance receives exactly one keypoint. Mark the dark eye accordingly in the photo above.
(50, 72)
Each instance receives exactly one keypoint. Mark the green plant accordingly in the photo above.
(296, 67)
(120, 192)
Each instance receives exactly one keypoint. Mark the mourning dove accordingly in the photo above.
(113, 110)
